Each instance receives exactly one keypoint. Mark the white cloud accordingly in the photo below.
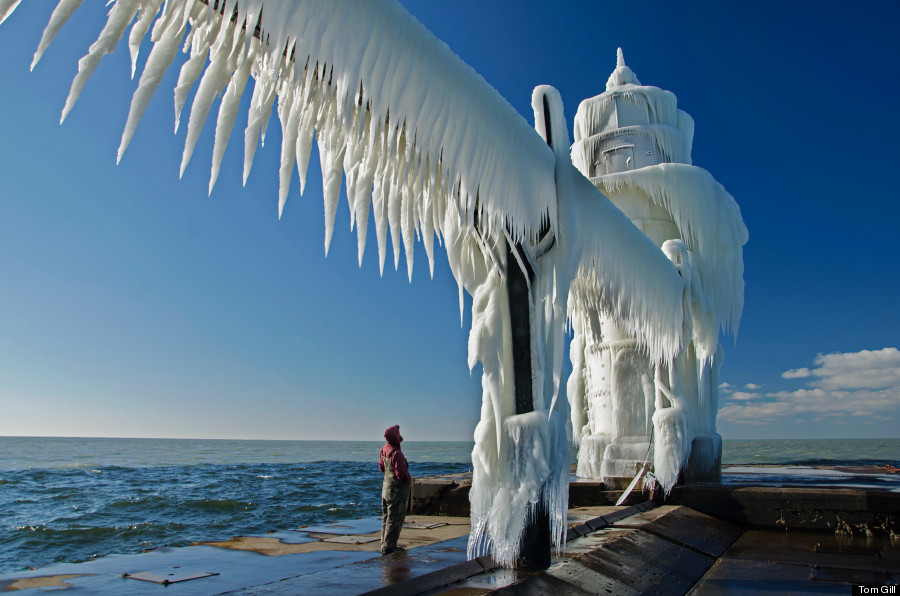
(857, 385)
(796, 373)
(867, 369)
(751, 386)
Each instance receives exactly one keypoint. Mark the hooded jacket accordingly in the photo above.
(391, 450)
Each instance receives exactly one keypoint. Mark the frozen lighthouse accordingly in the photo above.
(634, 144)
(429, 151)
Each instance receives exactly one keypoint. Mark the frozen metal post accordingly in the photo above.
(535, 548)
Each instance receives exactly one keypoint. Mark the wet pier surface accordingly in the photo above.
(762, 529)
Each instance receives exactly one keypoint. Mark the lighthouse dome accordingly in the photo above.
(630, 126)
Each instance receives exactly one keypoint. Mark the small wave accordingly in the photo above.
(71, 535)
(151, 528)
(89, 534)
(220, 505)
(152, 500)
(264, 477)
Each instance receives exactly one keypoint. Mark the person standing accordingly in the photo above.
(394, 490)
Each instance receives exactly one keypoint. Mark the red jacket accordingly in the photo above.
(391, 450)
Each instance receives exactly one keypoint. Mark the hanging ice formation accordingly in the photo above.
(635, 145)
(431, 150)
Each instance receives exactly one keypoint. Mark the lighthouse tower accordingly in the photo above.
(634, 144)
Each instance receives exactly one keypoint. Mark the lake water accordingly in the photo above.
(73, 499)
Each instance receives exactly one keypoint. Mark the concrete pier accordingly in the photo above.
(761, 529)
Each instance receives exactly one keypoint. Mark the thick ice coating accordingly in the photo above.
(430, 149)
(634, 144)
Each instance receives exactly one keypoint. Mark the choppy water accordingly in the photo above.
(65, 499)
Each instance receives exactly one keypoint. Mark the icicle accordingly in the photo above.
(380, 205)
(440, 205)
(179, 9)
(350, 168)
(254, 116)
(406, 227)
(6, 8)
(219, 71)
(314, 96)
(394, 202)
(362, 200)
(261, 102)
(119, 17)
(408, 214)
(331, 157)
(148, 12)
(158, 62)
(60, 15)
(428, 223)
(362, 204)
(200, 41)
(288, 114)
(353, 154)
(228, 109)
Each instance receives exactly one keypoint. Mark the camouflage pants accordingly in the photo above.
(394, 503)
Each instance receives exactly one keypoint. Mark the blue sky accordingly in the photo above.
(134, 305)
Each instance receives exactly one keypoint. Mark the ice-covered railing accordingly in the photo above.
(420, 137)
(710, 222)
(612, 245)
(411, 126)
